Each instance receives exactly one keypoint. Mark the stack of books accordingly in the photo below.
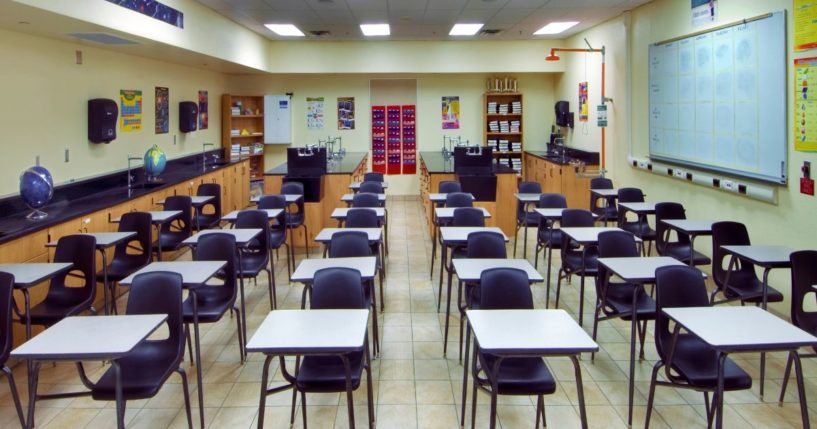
(503, 109)
(235, 132)
(516, 147)
(235, 151)
(504, 127)
(491, 107)
(503, 145)
(493, 126)
(492, 144)
(516, 107)
(514, 126)
(516, 164)
(235, 110)
(245, 151)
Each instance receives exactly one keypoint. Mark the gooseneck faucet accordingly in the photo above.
(204, 155)
(130, 177)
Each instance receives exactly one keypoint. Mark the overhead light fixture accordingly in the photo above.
(287, 30)
(375, 29)
(464, 29)
(555, 27)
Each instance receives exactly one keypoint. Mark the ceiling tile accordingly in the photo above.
(511, 16)
(441, 16)
(407, 4)
(367, 4)
(525, 4)
(446, 4)
(340, 17)
(404, 15)
(318, 5)
(367, 15)
(287, 4)
(485, 4)
(476, 15)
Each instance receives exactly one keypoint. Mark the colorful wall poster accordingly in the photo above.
(805, 25)
(583, 102)
(162, 110)
(203, 118)
(346, 113)
(314, 113)
(805, 104)
(704, 12)
(153, 9)
(130, 110)
(451, 112)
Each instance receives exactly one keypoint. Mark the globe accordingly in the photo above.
(36, 190)
(155, 162)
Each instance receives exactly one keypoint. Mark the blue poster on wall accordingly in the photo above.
(154, 9)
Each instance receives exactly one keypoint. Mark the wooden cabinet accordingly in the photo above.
(242, 130)
(503, 127)
(558, 179)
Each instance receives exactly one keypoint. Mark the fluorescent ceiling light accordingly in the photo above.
(555, 27)
(464, 29)
(375, 29)
(285, 30)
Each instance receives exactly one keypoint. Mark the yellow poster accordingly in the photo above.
(130, 110)
(805, 25)
(805, 104)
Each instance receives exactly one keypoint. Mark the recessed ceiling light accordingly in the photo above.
(375, 29)
(464, 29)
(285, 30)
(555, 27)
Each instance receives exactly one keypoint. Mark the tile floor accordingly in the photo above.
(414, 385)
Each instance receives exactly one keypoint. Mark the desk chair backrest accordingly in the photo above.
(269, 202)
(6, 336)
(220, 246)
(459, 199)
(675, 286)
(666, 211)
(486, 244)
(365, 199)
(295, 188)
(349, 244)
(140, 223)
(505, 289)
(728, 234)
(627, 195)
(183, 203)
(337, 288)
(526, 188)
(577, 218)
(615, 244)
(371, 187)
(468, 216)
(362, 218)
(160, 292)
(552, 201)
(803, 276)
(373, 177)
(210, 190)
(600, 183)
(79, 250)
(255, 219)
(449, 186)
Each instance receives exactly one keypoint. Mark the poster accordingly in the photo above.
(703, 12)
(154, 9)
(314, 113)
(130, 110)
(346, 113)
(583, 102)
(805, 104)
(451, 112)
(162, 110)
(203, 118)
(805, 25)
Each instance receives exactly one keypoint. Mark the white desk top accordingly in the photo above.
(104, 239)
(242, 235)
(90, 337)
(349, 197)
(233, 215)
(305, 273)
(193, 272)
(440, 197)
(728, 328)
(158, 216)
(196, 200)
(290, 198)
(470, 270)
(454, 234)
(762, 255)
(691, 226)
(640, 208)
(529, 331)
(316, 331)
(356, 185)
(342, 212)
(29, 274)
(605, 192)
(527, 198)
(639, 269)
(325, 235)
(554, 214)
(448, 212)
(589, 234)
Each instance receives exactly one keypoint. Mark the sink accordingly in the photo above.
(148, 185)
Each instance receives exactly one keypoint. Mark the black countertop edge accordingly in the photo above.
(345, 165)
(436, 163)
(571, 155)
(77, 199)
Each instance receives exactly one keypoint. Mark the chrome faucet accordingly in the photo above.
(204, 155)
(130, 177)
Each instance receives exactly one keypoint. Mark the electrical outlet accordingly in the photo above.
(728, 185)
(642, 164)
(680, 174)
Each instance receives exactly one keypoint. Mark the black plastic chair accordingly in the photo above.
(547, 236)
(640, 227)
(372, 187)
(125, 263)
(688, 362)
(6, 303)
(148, 366)
(278, 228)
(352, 244)
(255, 258)
(579, 260)
(364, 218)
(209, 214)
(449, 186)
(333, 288)
(505, 289)
(459, 199)
(373, 177)
(376, 188)
(172, 233)
(297, 219)
(607, 211)
(454, 198)
(463, 216)
(63, 300)
(803, 277)
(525, 218)
(681, 249)
(365, 199)
(742, 283)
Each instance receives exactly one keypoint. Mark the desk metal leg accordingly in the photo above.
(581, 286)
(120, 403)
(105, 285)
(243, 315)
(763, 304)
(433, 246)
(443, 261)
(719, 392)
(448, 311)
(547, 284)
(465, 375)
(33, 379)
(579, 390)
(262, 403)
(691, 250)
(347, 368)
(198, 355)
(631, 387)
(801, 390)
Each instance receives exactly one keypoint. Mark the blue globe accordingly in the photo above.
(36, 189)
(155, 161)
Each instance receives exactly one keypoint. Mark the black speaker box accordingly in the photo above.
(102, 115)
(562, 108)
(188, 116)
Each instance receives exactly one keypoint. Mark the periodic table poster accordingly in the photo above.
(130, 110)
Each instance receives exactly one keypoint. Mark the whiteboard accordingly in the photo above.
(717, 100)
(277, 119)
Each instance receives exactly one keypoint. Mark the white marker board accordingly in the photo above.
(277, 119)
(718, 99)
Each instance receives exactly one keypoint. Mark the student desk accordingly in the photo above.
(526, 200)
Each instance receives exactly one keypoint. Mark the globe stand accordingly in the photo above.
(37, 215)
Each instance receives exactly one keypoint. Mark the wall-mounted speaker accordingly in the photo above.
(102, 115)
(562, 109)
(188, 116)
